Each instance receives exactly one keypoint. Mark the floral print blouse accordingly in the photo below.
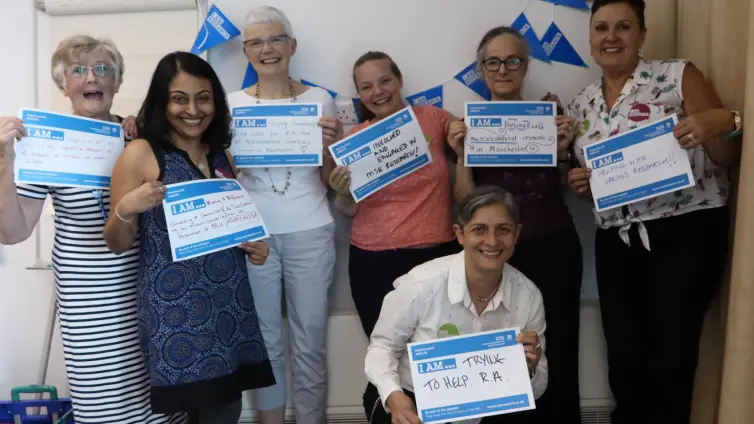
(650, 94)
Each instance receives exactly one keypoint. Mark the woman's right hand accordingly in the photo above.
(402, 409)
(340, 180)
(142, 199)
(11, 128)
(578, 179)
(456, 136)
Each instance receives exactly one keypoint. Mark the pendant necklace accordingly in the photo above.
(288, 170)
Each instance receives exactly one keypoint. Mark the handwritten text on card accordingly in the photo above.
(383, 153)
(277, 135)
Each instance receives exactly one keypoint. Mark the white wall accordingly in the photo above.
(330, 38)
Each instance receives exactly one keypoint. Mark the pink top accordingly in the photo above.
(415, 209)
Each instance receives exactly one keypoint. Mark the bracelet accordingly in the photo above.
(120, 217)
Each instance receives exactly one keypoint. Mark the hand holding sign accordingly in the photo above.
(532, 349)
(702, 127)
(332, 130)
(11, 128)
(578, 179)
(456, 134)
(402, 408)
(257, 251)
(340, 180)
(141, 199)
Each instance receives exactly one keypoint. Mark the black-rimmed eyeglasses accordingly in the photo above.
(493, 64)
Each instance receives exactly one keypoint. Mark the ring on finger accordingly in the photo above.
(691, 136)
(162, 189)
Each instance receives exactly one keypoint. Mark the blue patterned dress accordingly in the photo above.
(198, 326)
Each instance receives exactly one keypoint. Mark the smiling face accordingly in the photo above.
(268, 48)
(89, 83)
(615, 38)
(379, 87)
(488, 239)
(504, 67)
(191, 106)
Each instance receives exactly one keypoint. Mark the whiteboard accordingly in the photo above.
(431, 41)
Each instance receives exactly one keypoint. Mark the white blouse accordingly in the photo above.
(652, 93)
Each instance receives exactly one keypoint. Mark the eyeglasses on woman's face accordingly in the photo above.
(100, 70)
(256, 44)
(493, 64)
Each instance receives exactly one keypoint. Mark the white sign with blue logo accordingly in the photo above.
(383, 153)
(511, 134)
(636, 165)
(206, 216)
(66, 150)
(277, 135)
(470, 376)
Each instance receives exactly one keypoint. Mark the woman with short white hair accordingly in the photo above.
(96, 290)
(293, 203)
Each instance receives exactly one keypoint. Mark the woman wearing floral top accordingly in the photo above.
(658, 261)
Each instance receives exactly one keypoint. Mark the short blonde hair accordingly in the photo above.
(72, 47)
(264, 14)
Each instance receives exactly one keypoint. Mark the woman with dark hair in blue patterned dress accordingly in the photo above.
(199, 329)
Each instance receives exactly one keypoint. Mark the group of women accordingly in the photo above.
(147, 340)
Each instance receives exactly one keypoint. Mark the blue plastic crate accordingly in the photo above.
(53, 410)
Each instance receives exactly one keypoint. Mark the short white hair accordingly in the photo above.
(69, 50)
(264, 14)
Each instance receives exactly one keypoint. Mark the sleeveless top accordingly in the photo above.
(198, 325)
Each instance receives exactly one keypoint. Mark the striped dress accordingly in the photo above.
(96, 295)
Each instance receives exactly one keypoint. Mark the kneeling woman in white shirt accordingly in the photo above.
(469, 292)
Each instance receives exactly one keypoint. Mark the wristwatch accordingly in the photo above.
(738, 126)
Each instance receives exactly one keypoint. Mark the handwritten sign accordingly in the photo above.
(383, 153)
(639, 164)
(206, 216)
(511, 134)
(277, 135)
(66, 150)
(470, 376)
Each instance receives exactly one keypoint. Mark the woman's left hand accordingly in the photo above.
(256, 251)
(550, 97)
(702, 127)
(532, 349)
(566, 132)
(130, 129)
(332, 130)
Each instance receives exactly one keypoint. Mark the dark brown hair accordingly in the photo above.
(364, 113)
(637, 5)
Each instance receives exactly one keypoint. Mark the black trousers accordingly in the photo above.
(653, 305)
(381, 416)
(554, 264)
(372, 274)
